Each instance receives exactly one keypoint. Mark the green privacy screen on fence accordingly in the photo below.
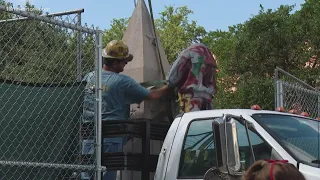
(39, 123)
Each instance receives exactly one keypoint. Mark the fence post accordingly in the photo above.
(276, 74)
(279, 92)
(98, 103)
(319, 104)
(79, 49)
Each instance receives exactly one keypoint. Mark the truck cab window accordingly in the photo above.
(198, 152)
(262, 150)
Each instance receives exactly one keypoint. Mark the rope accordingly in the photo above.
(153, 83)
(156, 40)
(169, 107)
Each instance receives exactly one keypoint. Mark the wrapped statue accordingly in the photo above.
(193, 75)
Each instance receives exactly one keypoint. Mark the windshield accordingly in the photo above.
(298, 135)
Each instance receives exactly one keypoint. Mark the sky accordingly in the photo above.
(211, 14)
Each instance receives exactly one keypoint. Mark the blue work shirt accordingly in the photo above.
(118, 92)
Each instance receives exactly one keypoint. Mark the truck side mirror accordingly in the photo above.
(226, 143)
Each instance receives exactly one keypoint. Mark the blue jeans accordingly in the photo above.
(109, 145)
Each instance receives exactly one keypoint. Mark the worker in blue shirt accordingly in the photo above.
(118, 93)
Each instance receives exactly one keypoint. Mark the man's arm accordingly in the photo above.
(158, 93)
(135, 93)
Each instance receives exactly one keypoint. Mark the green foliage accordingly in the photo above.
(175, 30)
(248, 90)
(116, 31)
(38, 52)
(220, 43)
(248, 54)
(269, 39)
(4, 15)
(309, 22)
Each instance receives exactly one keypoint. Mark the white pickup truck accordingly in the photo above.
(230, 140)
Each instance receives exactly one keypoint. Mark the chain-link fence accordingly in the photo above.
(294, 94)
(42, 61)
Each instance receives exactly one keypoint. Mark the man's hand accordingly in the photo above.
(158, 93)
